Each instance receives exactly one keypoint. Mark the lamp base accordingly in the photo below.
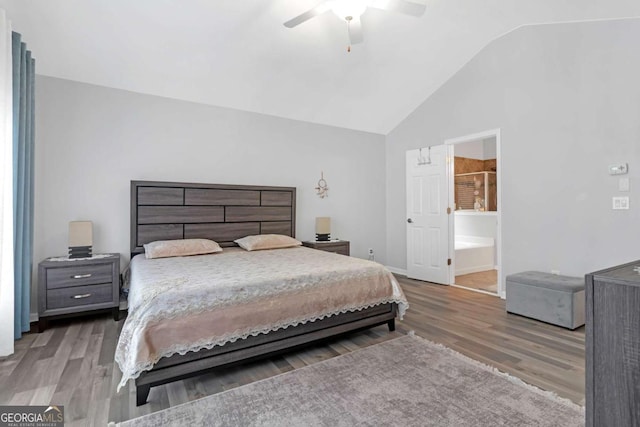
(322, 237)
(80, 251)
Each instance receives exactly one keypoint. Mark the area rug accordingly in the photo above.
(407, 381)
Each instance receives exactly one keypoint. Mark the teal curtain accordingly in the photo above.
(23, 164)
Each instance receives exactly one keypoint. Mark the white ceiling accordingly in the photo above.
(237, 53)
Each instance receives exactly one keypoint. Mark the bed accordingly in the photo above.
(185, 313)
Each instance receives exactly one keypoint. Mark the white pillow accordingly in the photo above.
(184, 247)
(267, 241)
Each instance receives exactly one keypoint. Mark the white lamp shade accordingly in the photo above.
(80, 233)
(323, 225)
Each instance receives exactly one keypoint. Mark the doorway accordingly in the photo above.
(474, 229)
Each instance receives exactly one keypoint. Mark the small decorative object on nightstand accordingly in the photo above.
(336, 246)
(67, 286)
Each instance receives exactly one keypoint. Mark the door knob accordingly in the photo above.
(409, 220)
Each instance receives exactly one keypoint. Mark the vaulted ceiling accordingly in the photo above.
(237, 53)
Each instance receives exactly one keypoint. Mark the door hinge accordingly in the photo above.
(448, 211)
(449, 261)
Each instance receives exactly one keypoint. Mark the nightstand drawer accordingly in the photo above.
(341, 247)
(341, 251)
(79, 295)
(337, 249)
(71, 275)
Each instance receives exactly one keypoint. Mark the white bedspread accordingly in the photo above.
(186, 304)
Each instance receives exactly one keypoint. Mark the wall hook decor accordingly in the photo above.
(322, 188)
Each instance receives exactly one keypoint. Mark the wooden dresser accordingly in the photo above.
(71, 287)
(613, 347)
(336, 246)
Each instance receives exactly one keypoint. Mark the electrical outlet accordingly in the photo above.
(621, 203)
(372, 257)
(623, 184)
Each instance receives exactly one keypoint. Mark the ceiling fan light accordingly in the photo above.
(345, 8)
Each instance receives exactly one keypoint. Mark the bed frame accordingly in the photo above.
(172, 210)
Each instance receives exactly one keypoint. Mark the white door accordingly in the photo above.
(427, 217)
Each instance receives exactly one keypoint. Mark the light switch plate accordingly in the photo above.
(623, 184)
(620, 203)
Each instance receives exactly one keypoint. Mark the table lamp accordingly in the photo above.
(323, 228)
(80, 239)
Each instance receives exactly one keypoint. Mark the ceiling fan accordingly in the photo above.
(351, 10)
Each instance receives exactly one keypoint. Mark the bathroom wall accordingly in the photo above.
(482, 149)
(467, 165)
(475, 224)
(483, 224)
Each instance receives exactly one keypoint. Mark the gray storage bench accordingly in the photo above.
(554, 299)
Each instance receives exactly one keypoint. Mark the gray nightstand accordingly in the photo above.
(336, 246)
(71, 287)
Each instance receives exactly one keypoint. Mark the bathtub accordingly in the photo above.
(474, 254)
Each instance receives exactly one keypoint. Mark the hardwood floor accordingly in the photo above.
(478, 326)
(72, 364)
(483, 280)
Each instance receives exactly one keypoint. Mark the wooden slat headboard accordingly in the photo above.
(176, 210)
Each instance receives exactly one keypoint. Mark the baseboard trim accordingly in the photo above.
(481, 291)
(397, 270)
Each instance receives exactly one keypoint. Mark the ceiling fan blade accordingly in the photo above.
(402, 6)
(355, 31)
(318, 10)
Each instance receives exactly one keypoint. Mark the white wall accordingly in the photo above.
(567, 100)
(478, 225)
(470, 150)
(92, 141)
(484, 149)
(489, 146)
(475, 224)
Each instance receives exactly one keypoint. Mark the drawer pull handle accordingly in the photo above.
(81, 276)
(81, 296)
